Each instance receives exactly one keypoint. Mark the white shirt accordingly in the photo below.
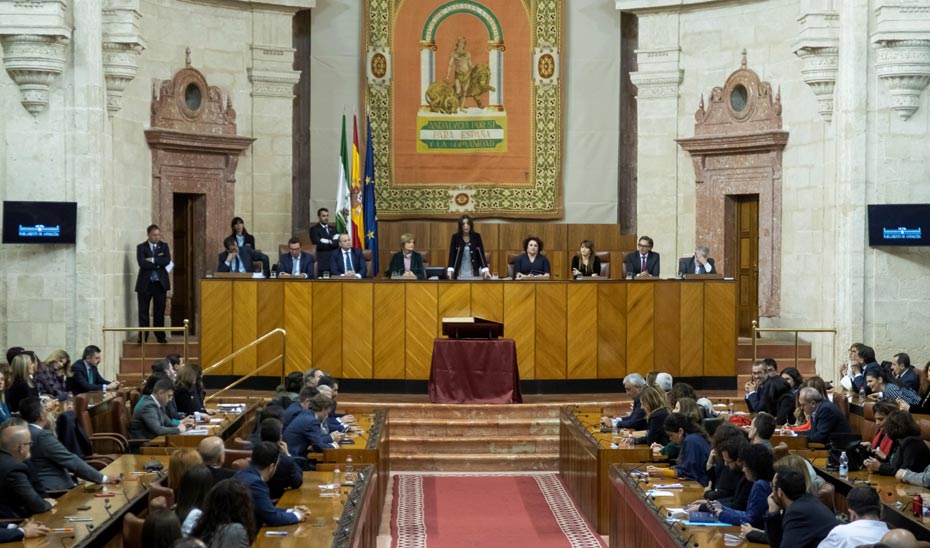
(857, 533)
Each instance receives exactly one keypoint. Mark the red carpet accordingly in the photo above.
(478, 511)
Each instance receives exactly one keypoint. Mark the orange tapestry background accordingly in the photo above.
(510, 168)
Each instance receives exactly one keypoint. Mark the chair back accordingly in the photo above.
(82, 415)
(843, 405)
(158, 490)
(132, 530)
(240, 464)
(604, 256)
(239, 443)
(623, 271)
(232, 455)
(369, 263)
(119, 417)
(511, 255)
(780, 450)
(134, 397)
(826, 495)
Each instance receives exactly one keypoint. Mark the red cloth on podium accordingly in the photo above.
(474, 371)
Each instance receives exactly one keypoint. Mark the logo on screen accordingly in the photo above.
(40, 231)
(901, 233)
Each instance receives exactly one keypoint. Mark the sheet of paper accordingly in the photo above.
(170, 267)
(658, 493)
(668, 486)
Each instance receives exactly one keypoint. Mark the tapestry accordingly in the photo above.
(465, 104)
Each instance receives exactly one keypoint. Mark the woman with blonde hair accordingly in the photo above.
(52, 375)
(181, 460)
(407, 263)
(656, 407)
(22, 385)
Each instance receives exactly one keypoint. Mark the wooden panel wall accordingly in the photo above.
(563, 330)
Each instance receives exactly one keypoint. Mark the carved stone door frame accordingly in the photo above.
(737, 150)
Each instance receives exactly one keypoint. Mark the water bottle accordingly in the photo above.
(844, 465)
(862, 395)
(350, 470)
(337, 481)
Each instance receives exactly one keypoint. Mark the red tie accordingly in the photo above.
(643, 258)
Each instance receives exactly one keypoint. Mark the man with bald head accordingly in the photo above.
(20, 499)
(899, 538)
(213, 453)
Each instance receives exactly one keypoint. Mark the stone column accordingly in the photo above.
(427, 69)
(657, 85)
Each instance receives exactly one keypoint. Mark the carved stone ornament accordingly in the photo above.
(902, 51)
(122, 46)
(272, 73)
(818, 46)
(737, 150)
(658, 75)
(33, 62)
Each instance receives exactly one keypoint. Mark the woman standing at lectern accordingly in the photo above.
(466, 253)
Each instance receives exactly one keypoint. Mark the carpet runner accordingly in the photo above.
(486, 511)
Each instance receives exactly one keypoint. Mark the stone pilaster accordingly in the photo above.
(122, 45)
(818, 47)
(902, 51)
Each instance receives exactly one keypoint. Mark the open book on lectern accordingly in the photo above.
(472, 327)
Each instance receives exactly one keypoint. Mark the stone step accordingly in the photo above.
(474, 445)
(156, 351)
(473, 412)
(772, 349)
(406, 427)
(535, 462)
(807, 366)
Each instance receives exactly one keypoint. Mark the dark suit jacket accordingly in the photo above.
(17, 392)
(305, 433)
(910, 380)
(220, 473)
(20, 499)
(595, 265)
(655, 428)
(323, 251)
(265, 511)
(287, 476)
(53, 464)
(688, 266)
(636, 420)
(149, 420)
(634, 267)
(187, 400)
(337, 268)
(162, 258)
(827, 419)
(397, 265)
(79, 382)
(522, 265)
(803, 525)
(10, 535)
(457, 246)
(246, 255)
(911, 454)
(286, 264)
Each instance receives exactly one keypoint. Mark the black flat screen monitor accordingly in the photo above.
(899, 225)
(39, 222)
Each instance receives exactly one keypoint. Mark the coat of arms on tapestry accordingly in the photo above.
(465, 104)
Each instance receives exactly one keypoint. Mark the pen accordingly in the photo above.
(76, 518)
(275, 533)
(62, 530)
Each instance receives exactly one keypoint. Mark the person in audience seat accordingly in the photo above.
(21, 386)
(904, 373)
(213, 453)
(636, 420)
(20, 498)
(51, 462)
(228, 517)
(795, 518)
(724, 474)
(52, 376)
(270, 411)
(302, 404)
(758, 468)
(780, 400)
(898, 538)
(909, 452)
(180, 461)
(655, 406)
(195, 483)
(26, 529)
(761, 430)
(84, 374)
(881, 445)
(5, 373)
(883, 388)
(149, 419)
(757, 392)
(262, 468)
(161, 528)
(793, 377)
(313, 376)
(865, 521)
(826, 418)
(289, 474)
(694, 450)
(187, 396)
(305, 432)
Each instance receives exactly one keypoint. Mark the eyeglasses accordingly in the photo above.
(645, 246)
(26, 443)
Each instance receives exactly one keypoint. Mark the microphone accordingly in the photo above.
(688, 540)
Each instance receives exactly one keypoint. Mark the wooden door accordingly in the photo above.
(747, 261)
(187, 253)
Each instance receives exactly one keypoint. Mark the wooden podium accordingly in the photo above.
(472, 328)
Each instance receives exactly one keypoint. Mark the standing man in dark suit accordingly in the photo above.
(295, 263)
(348, 260)
(20, 499)
(235, 258)
(826, 418)
(699, 263)
(152, 283)
(796, 519)
(325, 238)
(645, 262)
(84, 374)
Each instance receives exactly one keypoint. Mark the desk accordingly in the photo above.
(585, 458)
(131, 496)
(348, 521)
(637, 522)
(474, 371)
(230, 427)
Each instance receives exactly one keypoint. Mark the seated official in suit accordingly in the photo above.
(699, 263)
(305, 433)
(149, 418)
(904, 374)
(909, 452)
(289, 475)
(532, 264)
(466, 253)
(645, 262)
(295, 263)
(187, 397)
(407, 263)
(826, 418)
(795, 518)
(302, 404)
(244, 239)
(52, 463)
(26, 529)
(262, 468)
(84, 374)
(235, 258)
(586, 263)
(20, 498)
(347, 260)
(213, 453)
